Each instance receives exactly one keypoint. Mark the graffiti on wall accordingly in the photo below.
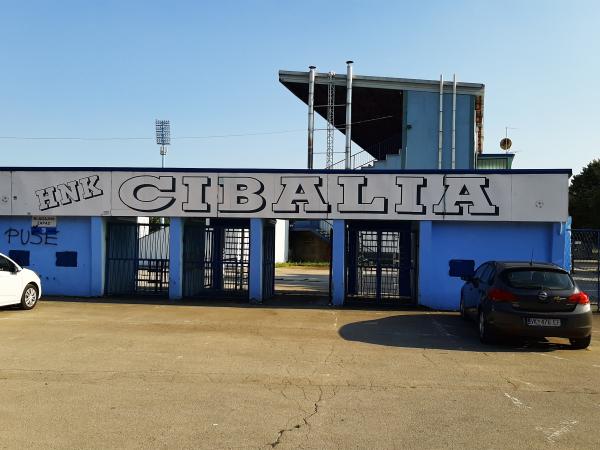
(26, 236)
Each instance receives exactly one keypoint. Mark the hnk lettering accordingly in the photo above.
(69, 192)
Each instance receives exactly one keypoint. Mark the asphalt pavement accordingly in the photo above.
(129, 374)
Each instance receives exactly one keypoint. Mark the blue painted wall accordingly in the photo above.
(422, 114)
(176, 258)
(338, 263)
(98, 255)
(255, 278)
(439, 242)
(74, 234)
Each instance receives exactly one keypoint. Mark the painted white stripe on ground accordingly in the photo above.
(551, 356)
(441, 328)
(553, 433)
(524, 382)
(518, 403)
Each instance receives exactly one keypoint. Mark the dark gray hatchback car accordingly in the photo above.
(526, 299)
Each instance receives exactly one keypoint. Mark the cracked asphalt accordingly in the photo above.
(90, 375)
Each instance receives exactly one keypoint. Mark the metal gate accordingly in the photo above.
(381, 262)
(585, 262)
(216, 258)
(137, 259)
(198, 264)
(268, 261)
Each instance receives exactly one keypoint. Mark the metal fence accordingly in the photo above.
(380, 262)
(368, 156)
(357, 160)
(216, 258)
(137, 259)
(585, 262)
(269, 261)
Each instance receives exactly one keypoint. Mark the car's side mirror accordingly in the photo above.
(467, 278)
(15, 270)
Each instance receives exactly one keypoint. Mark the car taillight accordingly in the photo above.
(581, 297)
(499, 295)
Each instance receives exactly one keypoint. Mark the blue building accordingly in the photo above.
(397, 124)
(401, 123)
(412, 199)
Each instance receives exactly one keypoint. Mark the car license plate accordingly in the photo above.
(533, 322)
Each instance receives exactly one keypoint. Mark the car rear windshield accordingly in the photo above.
(537, 279)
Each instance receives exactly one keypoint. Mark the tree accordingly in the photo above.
(156, 223)
(584, 197)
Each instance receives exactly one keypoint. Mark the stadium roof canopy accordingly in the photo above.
(377, 104)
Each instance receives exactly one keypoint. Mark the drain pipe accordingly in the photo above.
(454, 122)
(348, 114)
(311, 114)
(441, 127)
(479, 124)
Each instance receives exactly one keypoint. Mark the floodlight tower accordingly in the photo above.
(163, 137)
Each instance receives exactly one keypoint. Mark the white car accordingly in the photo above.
(18, 286)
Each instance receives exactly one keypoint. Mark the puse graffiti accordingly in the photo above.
(28, 237)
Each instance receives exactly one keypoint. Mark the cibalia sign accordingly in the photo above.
(477, 196)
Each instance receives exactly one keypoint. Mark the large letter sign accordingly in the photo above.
(143, 193)
(410, 195)
(301, 190)
(241, 194)
(196, 194)
(465, 195)
(67, 192)
(356, 198)
(512, 195)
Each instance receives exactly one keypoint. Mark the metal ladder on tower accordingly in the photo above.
(330, 121)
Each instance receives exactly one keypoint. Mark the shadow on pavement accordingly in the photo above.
(436, 330)
(305, 278)
(285, 299)
(291, 300)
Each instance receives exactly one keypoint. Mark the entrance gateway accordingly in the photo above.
(382, 261)
(137, 259)
(218, 238)
(216, 255)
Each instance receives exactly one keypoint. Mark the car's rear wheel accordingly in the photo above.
(30, 297)
(463, 313)
(581, 343)
(485, 334)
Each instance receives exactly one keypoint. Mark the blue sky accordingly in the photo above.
(109, 68)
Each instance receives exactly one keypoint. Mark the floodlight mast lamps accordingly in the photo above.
(163, 137)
